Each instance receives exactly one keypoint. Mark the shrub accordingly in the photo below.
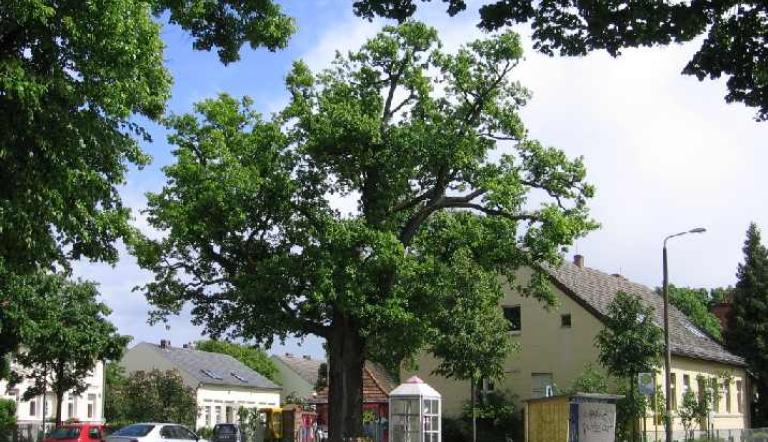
(205, 433)
(7, 419)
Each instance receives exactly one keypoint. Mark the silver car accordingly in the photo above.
(154, 432)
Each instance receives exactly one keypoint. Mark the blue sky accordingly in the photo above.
(665, 152)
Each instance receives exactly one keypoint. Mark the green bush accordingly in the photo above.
(205, 433)
(456, 430)
(7, 419)
(757, 437)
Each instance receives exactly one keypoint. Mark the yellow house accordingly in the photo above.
(556, 344)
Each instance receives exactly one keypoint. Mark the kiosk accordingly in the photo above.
(414, 412)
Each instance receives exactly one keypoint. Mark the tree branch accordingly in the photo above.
(310, 326)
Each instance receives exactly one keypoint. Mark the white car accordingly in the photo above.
(154, 432)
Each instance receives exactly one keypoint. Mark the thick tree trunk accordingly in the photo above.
(59, 399)
(58, 390)
(345, 376)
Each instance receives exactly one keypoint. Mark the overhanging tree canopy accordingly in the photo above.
(735, 33)
(73, 76)
(412, 137)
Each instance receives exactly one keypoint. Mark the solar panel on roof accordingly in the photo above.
(695, 331)
(238, 377)
(212, 374)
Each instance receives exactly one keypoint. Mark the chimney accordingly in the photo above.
(579, 261)
(308, 357)
(165, 343)
(289, 355)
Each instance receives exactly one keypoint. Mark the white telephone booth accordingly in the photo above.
(414, 412)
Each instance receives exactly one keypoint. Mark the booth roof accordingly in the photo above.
(415, 387)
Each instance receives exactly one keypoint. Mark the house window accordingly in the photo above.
(14, 394)
(32, 408)
(686, 383)
(738, 397)
(702, 386)
(91, 406)
(542, 385)
(673, 391)
(565, 320)
(714, 385)
(218, 414)
(48, 407)
(512, 315)
(71, 406)
(483, 388)
(207, 412)
(728, 397)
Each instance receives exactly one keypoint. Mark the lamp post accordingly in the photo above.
(667, 348)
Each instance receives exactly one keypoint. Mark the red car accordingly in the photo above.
(77, 433)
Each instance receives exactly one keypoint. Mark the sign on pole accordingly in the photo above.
(645, 384)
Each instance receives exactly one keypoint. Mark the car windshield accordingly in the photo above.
(134, 430)
(225, 429)
(65, 433)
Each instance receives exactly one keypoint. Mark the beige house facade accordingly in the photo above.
(556, 345)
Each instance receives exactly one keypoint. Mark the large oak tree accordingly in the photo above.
(734, 33)
(447, 196)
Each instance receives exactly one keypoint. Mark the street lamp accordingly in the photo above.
(668, 350)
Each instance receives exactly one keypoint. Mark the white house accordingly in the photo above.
(222, 384)
(88, 406)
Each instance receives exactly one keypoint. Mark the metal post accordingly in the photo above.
(667, 350)
(474, 412)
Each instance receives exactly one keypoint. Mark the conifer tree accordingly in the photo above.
(748, 336)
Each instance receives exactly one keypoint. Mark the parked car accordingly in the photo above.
(226, 433)
(77, 432)
(154, 432)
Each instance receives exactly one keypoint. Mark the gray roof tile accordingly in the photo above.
(197, 363)
(306, 368)
(595, 290)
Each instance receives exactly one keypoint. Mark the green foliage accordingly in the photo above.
(254, 243)
(732, 33)
(748, 334)
(153, 396)
(74, 75)
(629, 409)
(114, 398)
(253, 357)
(7, 419)
(73, 333)
(205, 433)
(591, 380)
(229, 24)
(695, 303)
(691, 411)
(498, 417)
(631, 342)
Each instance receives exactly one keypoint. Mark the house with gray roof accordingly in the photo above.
(556, 343)
(298, 374)
(222, 384)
